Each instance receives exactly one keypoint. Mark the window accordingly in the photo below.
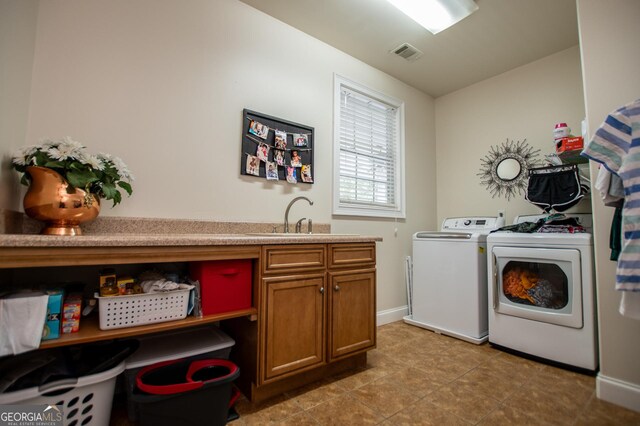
(368, 152)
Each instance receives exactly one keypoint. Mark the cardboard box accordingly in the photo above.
(124, 284)
(570, 144)
(53, 321)
(71, 310)
(108, 283)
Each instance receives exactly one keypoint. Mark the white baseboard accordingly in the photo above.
(392, 315)
(618, 392)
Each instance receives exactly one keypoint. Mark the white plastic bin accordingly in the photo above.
(140, 309)
(84, 400)
(198, 343)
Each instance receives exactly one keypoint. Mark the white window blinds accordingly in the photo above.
(368, 136)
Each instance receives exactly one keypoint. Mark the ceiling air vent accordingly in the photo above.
(407, 51)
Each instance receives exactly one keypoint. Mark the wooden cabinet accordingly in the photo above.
(352, 308)
(352, 312)
(313, 308)
(318, 309)
(294, 313)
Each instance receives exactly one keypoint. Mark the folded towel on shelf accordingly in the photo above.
(22, 316)
(162, 285)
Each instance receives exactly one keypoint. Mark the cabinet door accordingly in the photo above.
(294, 314)
(353, 316)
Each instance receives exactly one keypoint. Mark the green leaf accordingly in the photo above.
(41, 158)
(54, 164)
(117, 198)
(77, 166)
(126, 186)
(81, 178)
(109, 191)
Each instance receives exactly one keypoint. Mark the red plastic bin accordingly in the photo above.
(225, 285)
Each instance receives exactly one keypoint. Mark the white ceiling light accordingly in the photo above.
(436, 15)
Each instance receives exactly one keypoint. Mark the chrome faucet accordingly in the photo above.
(286, 213)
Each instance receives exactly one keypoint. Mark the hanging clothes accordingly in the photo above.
(616, 144)
(610, 188)
(554, 188)
(615, 235)
(630, 304)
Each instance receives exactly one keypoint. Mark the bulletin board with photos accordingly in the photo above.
(275, 149)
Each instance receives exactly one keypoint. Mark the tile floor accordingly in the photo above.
(417, 377)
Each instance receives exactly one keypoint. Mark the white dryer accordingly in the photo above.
(450, 278)
(542, 295)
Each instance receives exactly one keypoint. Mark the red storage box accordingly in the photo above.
(570, 144)
(225, 285)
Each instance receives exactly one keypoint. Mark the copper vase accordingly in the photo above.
(48, 200)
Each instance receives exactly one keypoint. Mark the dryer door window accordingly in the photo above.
(538, 284)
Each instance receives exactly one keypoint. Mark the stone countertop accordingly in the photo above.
(155, 240)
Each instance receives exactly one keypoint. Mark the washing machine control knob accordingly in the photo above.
(467, 222)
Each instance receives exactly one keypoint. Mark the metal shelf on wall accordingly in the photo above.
(567, 157)
(572, 157)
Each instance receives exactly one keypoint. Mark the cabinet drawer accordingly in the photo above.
(293, 258)
(341, 255)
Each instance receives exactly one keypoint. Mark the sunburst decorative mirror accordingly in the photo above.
(505, 169)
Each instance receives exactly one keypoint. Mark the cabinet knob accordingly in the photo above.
(322, 290)
(337, 287)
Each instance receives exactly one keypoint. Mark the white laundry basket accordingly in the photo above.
(84, 400)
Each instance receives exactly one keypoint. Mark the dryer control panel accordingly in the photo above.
(476, 223)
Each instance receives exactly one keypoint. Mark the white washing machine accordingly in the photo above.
(450, 278)
(542, 296)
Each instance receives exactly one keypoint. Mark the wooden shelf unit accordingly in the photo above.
(337, 280)
(35, 257)
(90, 330)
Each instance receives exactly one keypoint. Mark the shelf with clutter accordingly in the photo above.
(567, 171)
(568, 146)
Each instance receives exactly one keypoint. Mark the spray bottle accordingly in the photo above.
(500, 220)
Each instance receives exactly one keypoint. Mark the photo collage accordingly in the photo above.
(275, 149)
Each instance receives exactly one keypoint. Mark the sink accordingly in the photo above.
(293, 234)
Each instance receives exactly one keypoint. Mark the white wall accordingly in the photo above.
(17, 41)
(523, 103)
(162, 84)
(609, 36)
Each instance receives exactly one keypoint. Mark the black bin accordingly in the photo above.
(186, 392)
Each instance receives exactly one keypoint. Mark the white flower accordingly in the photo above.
(94, 162)
(28, 150)
(48, 143)
(75, 149)
(122, 168)
(64, 149)
(19, 160)
(57, 153)
(73, 145)
(118, 164)
(23, 156)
